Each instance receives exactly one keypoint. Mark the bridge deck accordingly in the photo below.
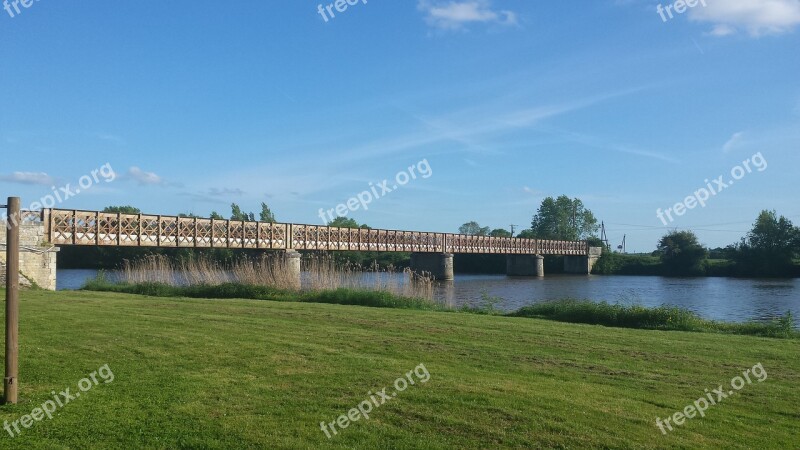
(74, 227)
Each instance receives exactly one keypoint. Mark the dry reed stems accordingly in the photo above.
(320, 273)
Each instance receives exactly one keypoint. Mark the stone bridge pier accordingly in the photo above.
(439, 265)
(292, 263)
(525, 265)
(37, 258)
(582, 264)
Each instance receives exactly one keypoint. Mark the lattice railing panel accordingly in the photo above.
(250, 234)
(219, 237)
(149, 236)
(185, 232)
(236, 234)
(203, 233)
(61, 227)
(168, 231)
(128, 229)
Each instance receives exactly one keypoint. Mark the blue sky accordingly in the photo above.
(198, 104)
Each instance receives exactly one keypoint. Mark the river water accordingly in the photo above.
(726, 299)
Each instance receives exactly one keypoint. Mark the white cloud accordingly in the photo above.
(528, 190)
(145, 178)
(756, 17)
(29, 178)
(214, 195)
(735, 140)
(722, 30)
(225, 192)
(454, 15)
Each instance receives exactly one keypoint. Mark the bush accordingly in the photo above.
(659, 318)
(625, 264)
(682, 254)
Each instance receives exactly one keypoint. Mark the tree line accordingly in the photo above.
(770, 249)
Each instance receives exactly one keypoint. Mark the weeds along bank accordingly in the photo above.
(328, 281)
(271, 271)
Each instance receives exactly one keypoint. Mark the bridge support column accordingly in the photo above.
(291, 260)
(583, 264)
(37, 258)
(439, 265)
(525, 265)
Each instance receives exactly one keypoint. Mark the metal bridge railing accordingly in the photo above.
(76, 227)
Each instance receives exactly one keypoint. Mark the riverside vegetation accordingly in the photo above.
(327, 280)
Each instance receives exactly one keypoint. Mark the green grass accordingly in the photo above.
(208, 374)
(659, 318)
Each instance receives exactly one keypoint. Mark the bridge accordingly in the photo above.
(430, 252)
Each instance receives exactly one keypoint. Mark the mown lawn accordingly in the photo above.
(198, 374)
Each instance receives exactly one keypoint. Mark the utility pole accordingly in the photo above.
(512, 229)
(10, 383)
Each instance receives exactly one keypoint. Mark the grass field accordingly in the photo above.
(193, 373)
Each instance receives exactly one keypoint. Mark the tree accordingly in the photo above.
(216, 216)
(266, 214)
(343, 222)
(768, 249)
(500, 232)
(526, 234)
(563, 218)
(474, 229)
(238, 214)
(122, 210)
(681, 254)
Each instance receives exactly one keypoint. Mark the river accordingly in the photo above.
(725, 299)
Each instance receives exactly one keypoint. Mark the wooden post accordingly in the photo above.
(10, 383)
(212, 232)
(48, 229)
(119, 228)
(97, 228)
(74, 226)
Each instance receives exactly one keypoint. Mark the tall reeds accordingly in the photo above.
(320, 273)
